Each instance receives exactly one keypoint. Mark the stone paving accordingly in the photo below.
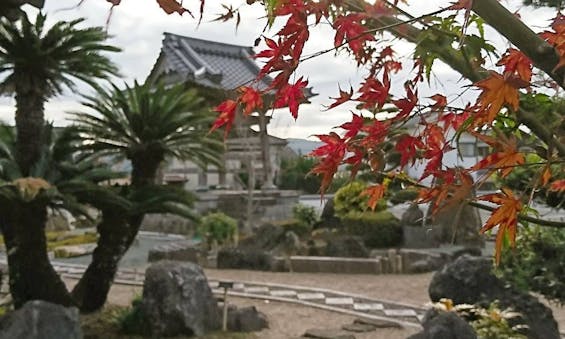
(346, 303)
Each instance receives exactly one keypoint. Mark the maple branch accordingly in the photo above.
(459, 63)
(537, 221)
(542, 54)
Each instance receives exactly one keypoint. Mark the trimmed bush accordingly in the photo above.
(300, 228)
(378, 229)
(349, 199)
(218, 227)
(403, 196)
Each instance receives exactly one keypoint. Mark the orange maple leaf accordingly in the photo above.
(504, 159)
(251, 98)
(498, 91)
(514, 61)
(558, 185)
(375, 193)
(505, 217)
(545, 175)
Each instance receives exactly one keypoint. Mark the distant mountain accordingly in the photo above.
(303, 146)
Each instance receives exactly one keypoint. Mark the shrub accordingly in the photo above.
(305, 214)
(218, 227)
(349, 199)
(299, 227)
(536, 263)
(403, 196)
(131, 320)
(378, 229)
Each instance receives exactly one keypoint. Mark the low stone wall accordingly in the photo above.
(336, 265)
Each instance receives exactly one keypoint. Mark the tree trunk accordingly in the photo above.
(31, 275)
(117, 232)
(29, 128)
(92, 290)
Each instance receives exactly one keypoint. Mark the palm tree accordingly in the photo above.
(144, 124)
(37, 63)
(58, 182)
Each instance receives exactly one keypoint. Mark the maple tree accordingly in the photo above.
(458, 40)
(453, 34)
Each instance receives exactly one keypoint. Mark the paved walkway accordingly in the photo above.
(346, 303)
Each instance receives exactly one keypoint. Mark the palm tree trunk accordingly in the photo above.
(117, 233)
(31, 275)
(29, 128)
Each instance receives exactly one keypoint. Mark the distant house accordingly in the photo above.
(218, 70)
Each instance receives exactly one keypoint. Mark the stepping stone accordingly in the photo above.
(257, 289)
(401, 313)
(327, 334)
(213, 284)
(339, 301)
(308, 296)
(283, 293)
(358, 328)
(368, 307)
(238, 287)
(378, 323)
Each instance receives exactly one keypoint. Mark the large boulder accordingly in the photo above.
(178, 301)
(39, 319)
(444, 325)
(246, 319)
(469, 280)
(346, 246)
(244, 258)
(413, 216)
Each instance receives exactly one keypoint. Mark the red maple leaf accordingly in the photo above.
(406, 105)
(354, 126)
(226, 117)
(558, 185)
(349, 28)
(505, 217)
(374, 93)
(408, 146)
(331, 154)
(251, 98)
(291, 96)
(440, 102)
(343, 97)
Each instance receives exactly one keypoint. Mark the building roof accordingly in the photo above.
(208, 63)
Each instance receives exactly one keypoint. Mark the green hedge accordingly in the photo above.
(299, 227)
(378, 229)
(349, 199)
(403, 196)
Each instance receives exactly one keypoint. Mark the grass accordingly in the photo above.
(105, 324)
(62, 238)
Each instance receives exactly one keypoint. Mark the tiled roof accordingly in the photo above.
(208, 63)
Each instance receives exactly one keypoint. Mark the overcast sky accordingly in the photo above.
(137, 26)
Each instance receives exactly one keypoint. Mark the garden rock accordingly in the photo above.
(244, 258)
(457, 225)
(266, 237)
(412, 216)
(358, 328)
(246, 319)
(178, 301)
(346, 246)
(444, 325)
(378, 323)
(39, 319)
(179, 250)
(425, 265)
(328, 218)
(470, 280)
(327, 334)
